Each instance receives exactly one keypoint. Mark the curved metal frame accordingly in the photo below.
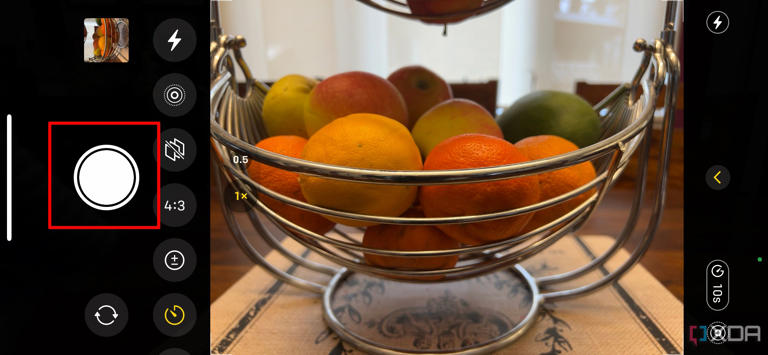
(626, 125)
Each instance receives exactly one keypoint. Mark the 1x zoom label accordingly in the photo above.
(718, 285)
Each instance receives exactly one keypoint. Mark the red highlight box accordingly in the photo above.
(102, 123)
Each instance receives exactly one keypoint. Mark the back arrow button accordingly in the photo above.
(718, 177)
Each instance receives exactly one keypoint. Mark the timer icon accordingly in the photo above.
(176, 315)
(717, 270)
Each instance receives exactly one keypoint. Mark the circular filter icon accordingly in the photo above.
(106, 177)
(174, 95)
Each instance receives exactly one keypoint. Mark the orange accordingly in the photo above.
(287, 183)
(361, 140)
(102, 43)
(409, 238)
(474, 151)
(557, 182)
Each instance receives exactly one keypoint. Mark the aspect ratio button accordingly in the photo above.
(718, 285)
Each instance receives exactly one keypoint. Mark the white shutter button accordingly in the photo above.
(106, 177)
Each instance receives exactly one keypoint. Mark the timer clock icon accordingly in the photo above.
(717, 270)
(174, 316)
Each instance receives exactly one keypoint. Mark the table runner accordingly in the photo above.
(260, 315)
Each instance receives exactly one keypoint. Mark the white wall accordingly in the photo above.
(645, 21)
(89, 23)
(527, 44)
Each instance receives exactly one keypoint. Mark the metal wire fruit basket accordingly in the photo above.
(626, 122)
(116, 38)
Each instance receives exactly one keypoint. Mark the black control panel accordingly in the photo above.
(726, 162)
(106, 246)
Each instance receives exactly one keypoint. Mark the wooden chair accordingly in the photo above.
(482, 93)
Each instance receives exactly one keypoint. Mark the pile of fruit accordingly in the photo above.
(100, 38)
(411, 121)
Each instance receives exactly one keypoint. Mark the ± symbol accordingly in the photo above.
(174, 149)
(174, 260)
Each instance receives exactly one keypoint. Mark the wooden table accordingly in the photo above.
(664, 258)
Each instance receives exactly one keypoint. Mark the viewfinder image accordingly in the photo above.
(105, 40)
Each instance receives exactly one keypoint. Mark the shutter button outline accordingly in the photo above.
(78, 174)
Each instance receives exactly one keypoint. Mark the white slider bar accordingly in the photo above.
(8, 187)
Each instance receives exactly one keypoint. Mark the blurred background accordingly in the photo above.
(525, 45)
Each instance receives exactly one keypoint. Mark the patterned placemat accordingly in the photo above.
(259, 315)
